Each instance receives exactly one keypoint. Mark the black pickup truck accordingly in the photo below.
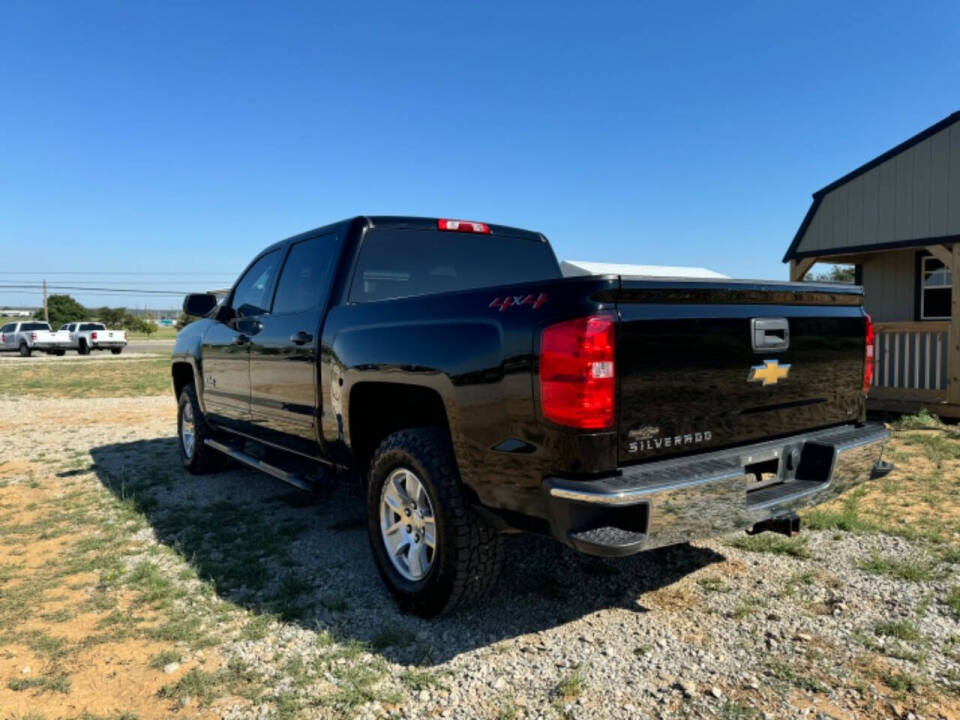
(476, 391)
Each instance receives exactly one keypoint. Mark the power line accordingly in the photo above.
(97, 290)
(105, 272)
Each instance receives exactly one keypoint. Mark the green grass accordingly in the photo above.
(161, 333)
(46, 683)
(774, 544)
(788, 674)
(912, 570)
(953, 601)
(923, 420)
(732, 710)
(847, 519)
(196, 684)
(935, 447)
(161, 660)
(713, 584)
(571, 685)
(899, 629)
(359, 684)
(391, 637)
(418, 680)
(902, 683)
(87, 379)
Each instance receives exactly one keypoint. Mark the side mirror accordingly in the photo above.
(199, 304)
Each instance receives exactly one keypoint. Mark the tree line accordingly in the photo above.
(65, 309)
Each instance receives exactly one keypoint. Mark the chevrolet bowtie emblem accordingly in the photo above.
(770, 373)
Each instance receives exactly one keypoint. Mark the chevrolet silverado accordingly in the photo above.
(475, 392)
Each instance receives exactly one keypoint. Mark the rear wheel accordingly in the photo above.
(24, 350)
(430, 546)
(197, 457)
(83, 348)
(59, 353)
(116, 351)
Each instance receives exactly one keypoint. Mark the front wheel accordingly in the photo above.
(431, 547)
(192, 429)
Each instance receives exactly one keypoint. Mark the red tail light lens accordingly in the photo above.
(33, 336)
(869, 354)
(463, 226)
(577, 372)
(93, 335)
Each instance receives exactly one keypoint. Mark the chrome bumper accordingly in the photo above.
(673, 501)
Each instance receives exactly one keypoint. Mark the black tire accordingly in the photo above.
(203, 459)
(469, 551)
(116, 351)
(59, 353)
(25, 350)
(83, 348)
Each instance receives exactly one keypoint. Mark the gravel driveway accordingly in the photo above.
(289, 602)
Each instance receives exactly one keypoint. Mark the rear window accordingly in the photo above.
(402, 263)
(34, 326)
(92, 326)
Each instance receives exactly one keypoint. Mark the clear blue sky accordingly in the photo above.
(166, 137)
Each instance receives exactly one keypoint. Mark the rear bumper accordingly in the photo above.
(673, 501)
(107, 344)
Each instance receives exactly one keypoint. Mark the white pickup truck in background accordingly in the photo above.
(25, 337)
(87, 336)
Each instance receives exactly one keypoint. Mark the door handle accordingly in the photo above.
(301, 338)
(241, 340)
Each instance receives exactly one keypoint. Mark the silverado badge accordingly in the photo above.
(770, 373)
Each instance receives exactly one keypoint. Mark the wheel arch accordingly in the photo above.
(377, 409)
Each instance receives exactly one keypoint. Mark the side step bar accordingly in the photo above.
(279, 473)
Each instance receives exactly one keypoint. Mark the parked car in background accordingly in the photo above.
(87, 336)
(25, 337)
(476, 391)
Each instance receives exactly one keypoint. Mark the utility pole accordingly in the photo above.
(46, 311)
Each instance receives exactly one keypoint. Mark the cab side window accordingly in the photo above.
(306, 275)
(252, 296)
(8, 328)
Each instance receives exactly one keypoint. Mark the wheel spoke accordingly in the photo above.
(396, 544)
(393, 529)
(429, 533)
(416, 561)
(391, 496)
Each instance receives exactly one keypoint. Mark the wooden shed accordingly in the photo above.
(897, 220)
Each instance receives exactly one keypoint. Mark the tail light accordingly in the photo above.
(93, 335)
(33, 336)
(869, 354)
(577, 377)
(124, 335)
(3, 338)
(463, 226)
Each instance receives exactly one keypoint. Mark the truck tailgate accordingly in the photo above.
(691, 378)
(51, 338)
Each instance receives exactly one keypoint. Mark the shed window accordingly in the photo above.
(935, 283)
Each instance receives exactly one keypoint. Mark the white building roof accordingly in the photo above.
(570, 268)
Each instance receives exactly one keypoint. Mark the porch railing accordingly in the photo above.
(911, 360)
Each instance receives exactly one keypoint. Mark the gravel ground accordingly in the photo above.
(702, 630)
